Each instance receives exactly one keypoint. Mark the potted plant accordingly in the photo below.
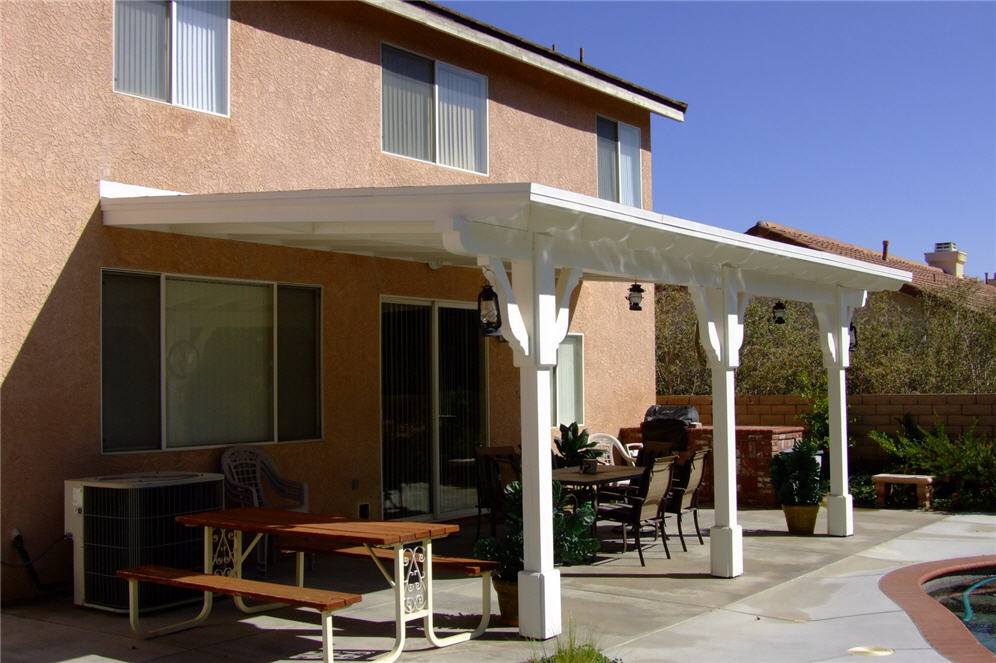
(572, 544)
(795, 478)
(573, 445)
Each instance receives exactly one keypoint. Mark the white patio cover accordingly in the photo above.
(535, 243)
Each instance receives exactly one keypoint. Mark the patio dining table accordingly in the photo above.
(411, 543)
(606, 474)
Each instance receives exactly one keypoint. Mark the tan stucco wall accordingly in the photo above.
(305, 88)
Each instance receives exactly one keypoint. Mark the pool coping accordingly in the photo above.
(939, 626)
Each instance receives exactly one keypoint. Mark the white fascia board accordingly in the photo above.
(735, 247)
(454, 29)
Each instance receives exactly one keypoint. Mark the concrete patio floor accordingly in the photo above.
(801, 599)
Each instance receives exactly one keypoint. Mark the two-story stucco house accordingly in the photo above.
(269, 223)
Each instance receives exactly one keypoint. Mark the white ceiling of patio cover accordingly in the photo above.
(456, 224)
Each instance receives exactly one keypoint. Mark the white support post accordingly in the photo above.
(721, 329)
(834, 320)
(536, 306)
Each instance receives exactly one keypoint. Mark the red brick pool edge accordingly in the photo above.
(938, 625)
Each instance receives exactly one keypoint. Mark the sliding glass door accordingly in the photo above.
(433, 407)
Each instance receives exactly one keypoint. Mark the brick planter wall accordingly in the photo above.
(755, 446)
(957, 412)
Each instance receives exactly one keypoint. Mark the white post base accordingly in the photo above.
(840, 515)
(539, 604)
(726, 551)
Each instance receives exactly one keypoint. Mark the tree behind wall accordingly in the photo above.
(937, 343)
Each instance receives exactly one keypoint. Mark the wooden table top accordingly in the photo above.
(605, 474)
(318, 526)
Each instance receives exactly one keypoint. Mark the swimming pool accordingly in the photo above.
(971, 595)
(941, 627)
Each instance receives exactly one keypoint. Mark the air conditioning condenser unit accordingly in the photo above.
(126, 520)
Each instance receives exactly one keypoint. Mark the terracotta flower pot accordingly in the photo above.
(508, 601)
(801, 519)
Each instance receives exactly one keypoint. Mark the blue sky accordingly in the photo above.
(861, 121)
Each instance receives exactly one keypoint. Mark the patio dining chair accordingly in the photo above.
(645, 506)
(496, 467)
(251, 478)
(684, 497)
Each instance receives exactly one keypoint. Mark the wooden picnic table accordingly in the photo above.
(410, 542)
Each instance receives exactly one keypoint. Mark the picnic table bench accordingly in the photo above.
(324, 600)
(924, 487)
(467, 566)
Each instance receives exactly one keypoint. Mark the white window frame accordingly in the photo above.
(163, 277)
(436, 66)
(173, 63)
(621, 128)
(578, 385)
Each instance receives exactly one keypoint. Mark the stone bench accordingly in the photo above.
(924, 487)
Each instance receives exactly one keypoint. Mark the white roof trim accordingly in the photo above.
(466, 33)
(463, 224)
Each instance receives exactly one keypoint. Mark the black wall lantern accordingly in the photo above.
(778, 313)
(852, 334)
(635, 296)
(489, 312)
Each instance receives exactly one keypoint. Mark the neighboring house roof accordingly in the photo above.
(925, 277)
(464, 27)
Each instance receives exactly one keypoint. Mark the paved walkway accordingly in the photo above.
(801, 599)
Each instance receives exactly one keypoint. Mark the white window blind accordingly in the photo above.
(174, 51)
(567, 404)
(202, 55)
(462, 113)
(618, 157)
(141, 48)
(433, 111)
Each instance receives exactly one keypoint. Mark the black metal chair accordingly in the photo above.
(644, 505)
(684, 497)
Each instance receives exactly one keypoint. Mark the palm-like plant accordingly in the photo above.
(574, 446)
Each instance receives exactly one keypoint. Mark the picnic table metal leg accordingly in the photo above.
(208, 603)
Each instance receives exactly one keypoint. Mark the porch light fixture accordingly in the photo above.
(635, 296)
(852, 334)
(778, 313)
(489, 312)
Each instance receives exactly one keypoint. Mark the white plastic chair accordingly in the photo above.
(609, 443)
(249, 471)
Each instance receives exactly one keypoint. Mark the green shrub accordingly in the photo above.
(862, 490)
(965, 467)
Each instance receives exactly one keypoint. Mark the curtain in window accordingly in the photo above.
(568, 396)
(298, 363)
(202, 55)
(608, 160)
(407, 105)
(219, 363)
(406, 409)
(129, 377)
(462, 118)
(141, 48)
(629, 165)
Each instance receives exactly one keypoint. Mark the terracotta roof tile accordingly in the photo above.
(925, 277)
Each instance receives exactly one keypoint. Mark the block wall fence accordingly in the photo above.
(958, 413)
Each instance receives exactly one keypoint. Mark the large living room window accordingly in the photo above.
(619, 162)
(433, 111)
(174, 51)
(189, 362)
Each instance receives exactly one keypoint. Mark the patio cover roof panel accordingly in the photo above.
(458, 224)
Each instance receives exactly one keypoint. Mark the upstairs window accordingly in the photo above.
(619, 162)
(174, 51)
(433, 111)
